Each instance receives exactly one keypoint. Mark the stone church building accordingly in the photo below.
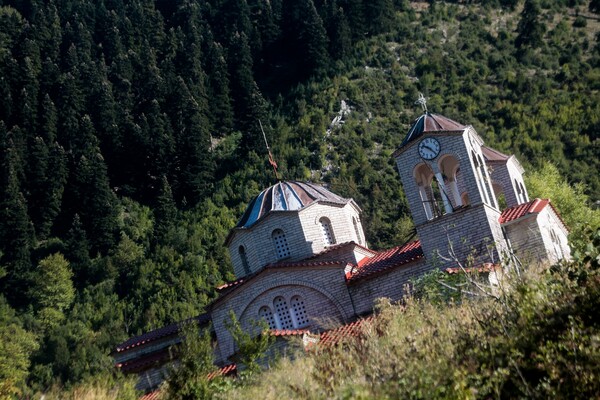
(303, 263)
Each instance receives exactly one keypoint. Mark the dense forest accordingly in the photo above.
(130, 139)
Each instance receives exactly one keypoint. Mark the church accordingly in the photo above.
(303, 264)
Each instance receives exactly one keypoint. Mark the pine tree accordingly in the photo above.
(530, 29)
(54, 186)
(218, 89)
(195, 160)
(380, 15)
(249, 105)
(15, 228)
(165, 212)
(90, 194)
(354, 10)
(313, 39)
(77, 252)
(338, 31)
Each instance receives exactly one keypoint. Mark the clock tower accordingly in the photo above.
(449, 191)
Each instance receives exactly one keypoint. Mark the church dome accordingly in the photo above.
(286, 196)
(429, 122)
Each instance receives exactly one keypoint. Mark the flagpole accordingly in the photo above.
(271, 160)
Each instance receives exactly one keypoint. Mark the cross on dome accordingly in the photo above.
(422, 101)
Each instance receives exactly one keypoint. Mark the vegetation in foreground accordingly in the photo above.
(538, 338)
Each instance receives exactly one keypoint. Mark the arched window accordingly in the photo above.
(299, 312)
(327, 231)
(266, 314)
(428, 191)
(450, 169)
(356, 230)
(282, 314)
(244, 258)
(281, 245)
(523, 192)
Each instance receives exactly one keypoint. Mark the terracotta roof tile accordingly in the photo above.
(354, 329)
(159, 333)
(224, 371)
(288, 332)
(535, 206)
(386, 260)
(151, 396)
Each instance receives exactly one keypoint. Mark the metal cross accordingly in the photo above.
(422, 101)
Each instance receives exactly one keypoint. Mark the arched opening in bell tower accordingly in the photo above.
(429, 191)
(450, 169)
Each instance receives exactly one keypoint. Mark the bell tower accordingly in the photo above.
(449, 191)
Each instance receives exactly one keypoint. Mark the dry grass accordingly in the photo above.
(536, 340)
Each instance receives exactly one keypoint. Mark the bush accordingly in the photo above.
(537, 338)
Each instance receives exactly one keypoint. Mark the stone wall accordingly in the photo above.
(303, 234)
(455, 144)
(323, 289)
(472, 232)
(539, 238)
(390, 284)
(507, 175)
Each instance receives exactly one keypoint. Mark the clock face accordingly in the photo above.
(429, 148)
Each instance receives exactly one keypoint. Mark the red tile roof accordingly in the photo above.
(337, 335)
(159, 333)
(228, 285)
(224, 371)
(288, 332)
(535, 206)
(152, 395)
(486, 267)
(386, 260)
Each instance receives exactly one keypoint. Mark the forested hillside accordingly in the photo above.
(130, 140)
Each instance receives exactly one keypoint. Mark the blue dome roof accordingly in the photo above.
(429, 122)
(286, 196)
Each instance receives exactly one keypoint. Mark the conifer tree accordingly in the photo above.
(15, 227)
(165, 211)
(354, 10)
(249, 104)
(56, 179)
(380, 16)
(77, 252)
(195, 160)
(90, 194)
(218, 86)
(530, 29)
(313, 38)
(338, 31)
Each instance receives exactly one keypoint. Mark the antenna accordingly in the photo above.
(271, 159)
(422, 101)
